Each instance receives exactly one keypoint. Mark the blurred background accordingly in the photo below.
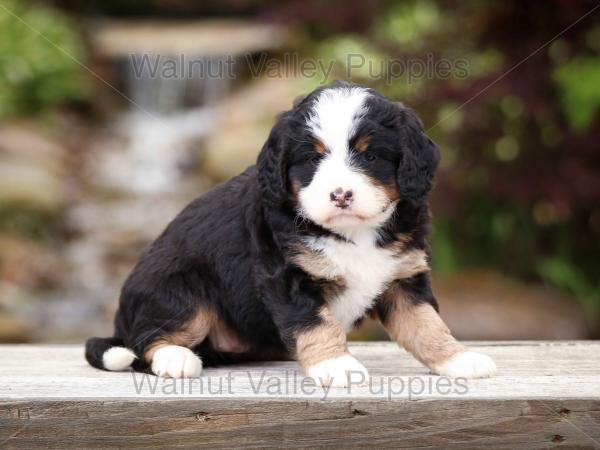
(115, 114)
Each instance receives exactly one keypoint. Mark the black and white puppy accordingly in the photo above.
(286, 258)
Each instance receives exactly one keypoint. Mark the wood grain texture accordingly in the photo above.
(546, 395)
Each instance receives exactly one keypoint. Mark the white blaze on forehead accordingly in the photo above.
(335, 115)
(333, 120)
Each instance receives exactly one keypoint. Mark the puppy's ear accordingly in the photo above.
(271, 166)
(298, 100)
(419, 160)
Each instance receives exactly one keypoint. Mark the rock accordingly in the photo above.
(196, 37)
(31, 168)
(71, 315)
(229, 154)
(12, 330)
(112, 234)
(28, 264)
(27, 186)
(29, 144)
(243, 123)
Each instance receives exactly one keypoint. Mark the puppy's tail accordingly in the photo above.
(108, 354)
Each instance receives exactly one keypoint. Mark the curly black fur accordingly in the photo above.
(229, 249)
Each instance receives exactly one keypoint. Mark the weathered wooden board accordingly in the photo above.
(546, 394)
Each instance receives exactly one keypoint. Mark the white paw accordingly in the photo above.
(338, 372)
(467, 365)
(176, 362)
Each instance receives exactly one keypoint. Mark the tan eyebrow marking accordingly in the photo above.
(320, 147)
(362, 143)
(390, 189)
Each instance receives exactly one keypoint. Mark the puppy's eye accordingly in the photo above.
(369, 156)
(314, 159)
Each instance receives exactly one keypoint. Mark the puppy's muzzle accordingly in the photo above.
(341, 198)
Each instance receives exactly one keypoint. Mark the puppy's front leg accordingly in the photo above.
(414, 324)
(322, 352)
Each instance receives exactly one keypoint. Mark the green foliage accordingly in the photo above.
(406, 23)
(39, 54)
(446, 258)
(565, 275)
(25, 220)
(577, 81)
(511, 193)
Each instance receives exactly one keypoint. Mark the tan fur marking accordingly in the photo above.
(191, 334)
(313, 263)
(362, 143)
(412, 262)
(403, 238)
(420, 330)
(326, 340)
(399, 244)
(224, 339)
(332, 289)
(317, 266)
(320, 147)
(390, 190)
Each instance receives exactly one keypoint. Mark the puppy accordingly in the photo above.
(283, 260)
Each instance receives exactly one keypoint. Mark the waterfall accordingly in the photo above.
(166, 117)
(143, 154)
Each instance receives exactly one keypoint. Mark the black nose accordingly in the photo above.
(341, 198)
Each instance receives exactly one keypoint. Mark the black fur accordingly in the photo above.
(229, 249)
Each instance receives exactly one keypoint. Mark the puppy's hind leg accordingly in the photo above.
(170, 356)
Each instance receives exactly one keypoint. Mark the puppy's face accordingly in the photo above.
(349, 155)
(347, 176)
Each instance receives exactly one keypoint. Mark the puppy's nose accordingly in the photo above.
(341, 198)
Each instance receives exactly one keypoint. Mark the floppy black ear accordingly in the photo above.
(271, 166)
(298, 100)
(419, 161)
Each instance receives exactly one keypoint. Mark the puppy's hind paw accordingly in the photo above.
(467, 365)
(174, 361)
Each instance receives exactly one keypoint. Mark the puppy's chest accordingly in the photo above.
(361, 270)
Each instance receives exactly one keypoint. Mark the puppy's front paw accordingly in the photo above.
(467, 365)
(338, 372)
(175, 361)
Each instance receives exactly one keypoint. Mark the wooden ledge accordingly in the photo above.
(545, 394)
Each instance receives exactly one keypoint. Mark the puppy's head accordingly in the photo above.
(345, 155)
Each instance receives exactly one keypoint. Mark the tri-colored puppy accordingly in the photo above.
(286, 258)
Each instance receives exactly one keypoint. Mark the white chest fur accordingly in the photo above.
(366, 269)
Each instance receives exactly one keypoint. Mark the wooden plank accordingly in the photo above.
(546, 394)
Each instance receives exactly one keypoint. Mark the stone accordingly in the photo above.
(12, 330)
(199, 37)
(243, 123)
(32, 167)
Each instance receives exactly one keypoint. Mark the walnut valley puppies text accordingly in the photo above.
(292, 384)
(353, 65)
